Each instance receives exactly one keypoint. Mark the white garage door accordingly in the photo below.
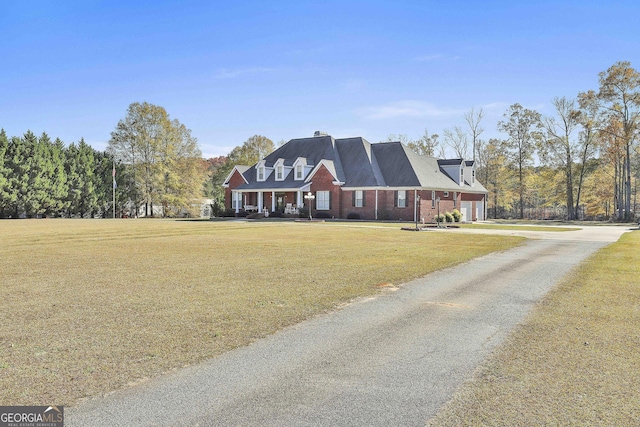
(465, 210)
(480, 211)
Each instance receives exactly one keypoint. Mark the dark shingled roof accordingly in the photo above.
(359, 164)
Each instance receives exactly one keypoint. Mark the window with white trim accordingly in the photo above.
(401, 199)
(279, 173)
(299, 170)
(433, 199)
(455, 198)
(261, 173)
(322, 200)
(358, 198)
(236, 197)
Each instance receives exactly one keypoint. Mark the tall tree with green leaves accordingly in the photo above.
(251, 151)
(18, 182)
(59, 186)
(164, 158)
(426, 145)
(559, 146)
(493, 173)
(4, 173)
(523, 127)
(620, 99)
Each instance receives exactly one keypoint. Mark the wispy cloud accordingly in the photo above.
(232, 74)
(408, 109)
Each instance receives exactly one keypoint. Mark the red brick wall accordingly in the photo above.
(235, 181)
(323, 181)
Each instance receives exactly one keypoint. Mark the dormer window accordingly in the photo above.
(299, 168)
(279, 173)
(261, 173)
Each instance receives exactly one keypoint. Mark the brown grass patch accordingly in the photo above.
(90, 306)
(574, 361)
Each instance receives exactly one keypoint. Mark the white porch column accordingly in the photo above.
(376, 212)
(273, 201)
(237, 195)
(415, 206)
(260, 201)
(299, 202)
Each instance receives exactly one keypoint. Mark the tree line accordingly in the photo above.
(583, 161)
(150, 159)
(41, 177)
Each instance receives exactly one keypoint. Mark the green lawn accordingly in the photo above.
(90, 306)
(576, 358)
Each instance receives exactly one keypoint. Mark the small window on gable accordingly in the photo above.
(299, 170)
(261, 173)
(279, 173)
(461, 176)
(445, 194)
(473, 177)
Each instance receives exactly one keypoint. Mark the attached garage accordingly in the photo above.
(466, 211)
(480, 211)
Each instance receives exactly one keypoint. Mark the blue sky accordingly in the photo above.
(283, 69)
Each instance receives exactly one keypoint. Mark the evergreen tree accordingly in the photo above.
(4, 174)
(60, 186)
(74, 180)
(19, 170)
(88, 202)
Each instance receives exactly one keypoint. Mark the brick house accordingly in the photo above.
(351, 178)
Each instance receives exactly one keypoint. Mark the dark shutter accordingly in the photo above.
(395, 199)
(364, 198)
(353, 198)
(329, 200)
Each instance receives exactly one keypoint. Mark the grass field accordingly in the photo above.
(574, 361)
(90, 306)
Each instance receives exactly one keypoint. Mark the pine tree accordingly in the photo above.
(4, 174)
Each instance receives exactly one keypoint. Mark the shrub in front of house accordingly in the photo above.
(229, 212)
(457, 216)
(353, 215)
(303, 213)
(448, 216)
(322, 215)
(440, 218)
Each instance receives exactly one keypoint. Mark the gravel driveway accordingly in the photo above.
(394, 359)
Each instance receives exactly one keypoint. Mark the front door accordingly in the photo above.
(280, 202)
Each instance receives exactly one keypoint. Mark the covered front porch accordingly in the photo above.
(287, 202)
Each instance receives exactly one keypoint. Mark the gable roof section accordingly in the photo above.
(394, 165)
(330, 166)
(360, 167)
(241, 169)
